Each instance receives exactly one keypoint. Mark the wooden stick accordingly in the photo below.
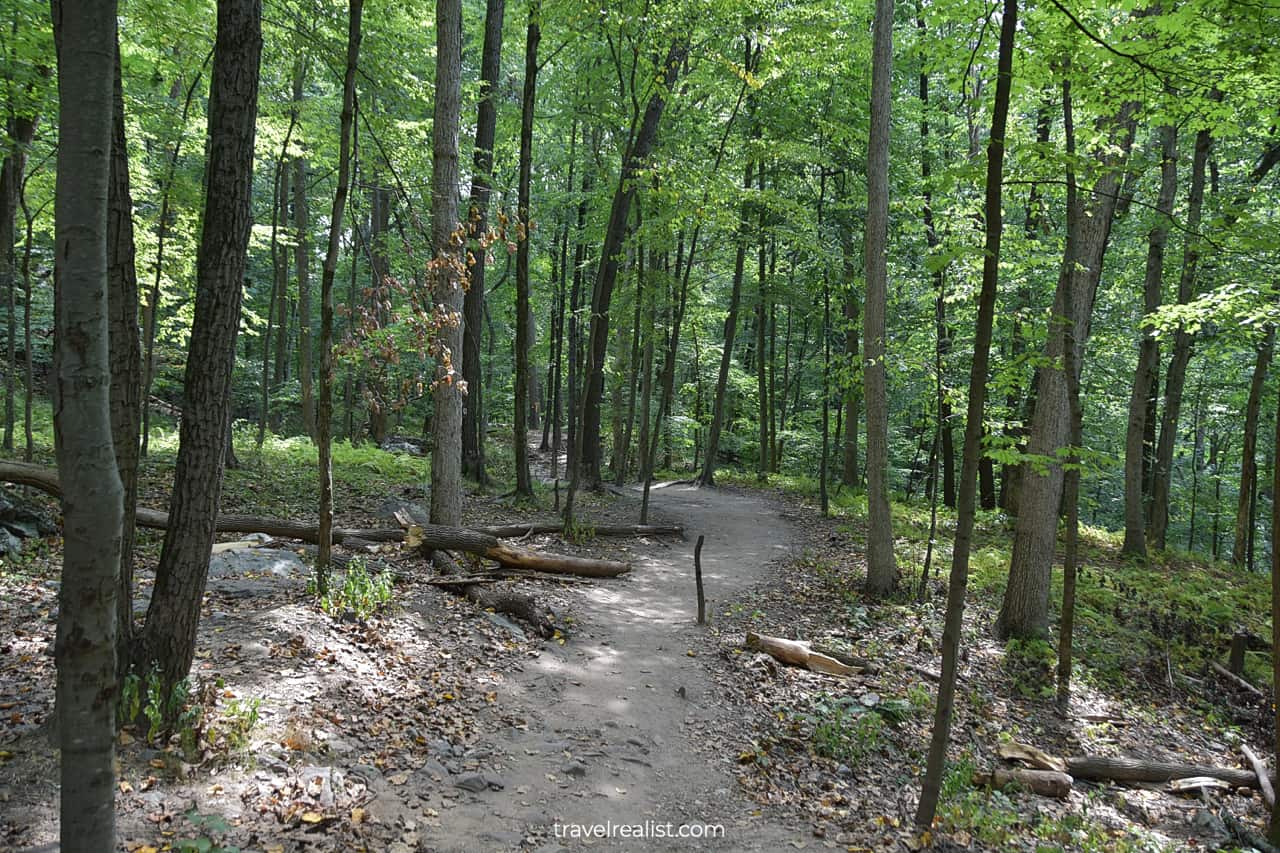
(1122, 769)
(1234, 679)
(697, 575)
(1264, 778)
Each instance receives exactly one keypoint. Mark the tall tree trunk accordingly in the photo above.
(92, 503)
(622, 454)
(1273, 832)
(20, 131)
(882, 568)
(447, 269)
(1248, 451)
(125, 356)
(959, 579)
(301, 261)
(762, 364)
(473, 462)
(324, 409)
(1025, 611)
(533, 34)
(169, 636)
(587, 440)
(279, 269)
(1135, 516)
(850, 475)
(1175, 375)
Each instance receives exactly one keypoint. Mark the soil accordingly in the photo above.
(438, 727)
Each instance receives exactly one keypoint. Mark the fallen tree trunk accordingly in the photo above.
(430, 537)
(1046, 783)
(1264, 778)
(515, 531)
(1119, 769)
(798, 653)
(1235, 679)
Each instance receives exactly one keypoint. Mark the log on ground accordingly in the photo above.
(1123, 769)
(1046, 783)
(798, 653)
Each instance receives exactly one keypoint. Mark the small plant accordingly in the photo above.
(362, 593)
(844, 730)
(579, 534)
(212, 828)
(1030, 666)
(165, 714)
(236, 723)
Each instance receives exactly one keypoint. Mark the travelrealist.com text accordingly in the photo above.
(646, 829)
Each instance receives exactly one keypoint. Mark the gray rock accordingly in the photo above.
(576, 769)
(388, 509)
(473, 782)
(434, 770)
(503, 622)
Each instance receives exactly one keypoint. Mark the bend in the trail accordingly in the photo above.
(616, 715)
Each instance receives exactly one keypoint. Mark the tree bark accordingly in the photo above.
(125, 357)
(448, 269)
(21, 130)
(966, 499)
(1273, 832)
(882, 568)
(85, 650)
(520, 437)
(473, 438)
(1025, 611)
(1248, 450)
(1125, 769)
(324, 409)
(1135, 516)
(170, 632)
(302, 264)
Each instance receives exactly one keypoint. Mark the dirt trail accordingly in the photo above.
(615, 714)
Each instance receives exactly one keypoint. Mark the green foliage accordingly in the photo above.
(163, 714)
(236, 723)
(361, 594)
(1029, 664)
(843, 729)
(212, 829)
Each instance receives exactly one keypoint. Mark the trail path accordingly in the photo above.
(615, 714)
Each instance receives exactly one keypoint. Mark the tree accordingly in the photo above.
(966, 500)
(302, 263)
(520, 437)
(481, 188)
(1242, 545)
(169, 635)
(447, 269)
(324, 411)
(1025, 610)
(882, 569)
(92, 493)
(1144, 376)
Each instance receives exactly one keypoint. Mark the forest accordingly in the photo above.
(370, 372)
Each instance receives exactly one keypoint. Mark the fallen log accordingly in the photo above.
(1121, 769)
(1235, 679)
(1046, 783)
(1264, 778)
(431, 537)
(516, 531)
(523, 607)
(798, 653)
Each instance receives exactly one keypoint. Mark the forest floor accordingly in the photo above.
(433, 725)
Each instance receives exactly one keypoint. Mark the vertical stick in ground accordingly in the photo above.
(697, 576)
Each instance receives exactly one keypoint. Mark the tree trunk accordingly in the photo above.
(170, 632)
(1175, 376)
(850, 475)
(1248, 451)
(1135, 516)
(1025, 611)
(882, 568)
(302, 258)
(125, 357)
(447, 268)
(520, 438)
(762, 314)
(587, 440)
(1273, 833)
(473, 438)
(324, 409)
(21, 130)
(966, 499)
(85, 650)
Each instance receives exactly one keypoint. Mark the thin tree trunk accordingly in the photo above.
(324, 409)
(473, 438)
(28, 366)
(882, 568)
(20, 131)
(302, 259)
(533, 34)
(850, 475)
(587, 439)
(92, 506)
(125, 358)
(447, 269)
(762, 313)
(954, 620)
(1248, 451)
(170, 633)
(1273, 832)
(1135, 516)
(279, 268)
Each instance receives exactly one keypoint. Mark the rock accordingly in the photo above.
(503, 622)
(388, 509)
(473, 782)
(434, 770)
(494, 782)
(1213, 832)
(576, 769)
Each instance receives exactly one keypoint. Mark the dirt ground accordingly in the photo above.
(438, 726)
